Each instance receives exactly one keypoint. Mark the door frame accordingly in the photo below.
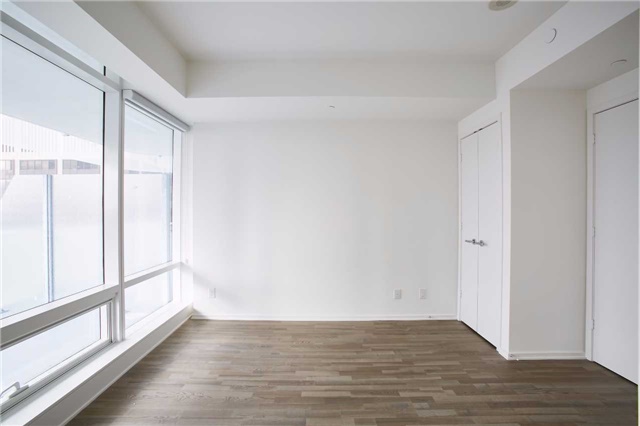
(480, 125)
(592, 110)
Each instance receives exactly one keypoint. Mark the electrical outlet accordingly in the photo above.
(212, 293)
(397, 294)
(422, 294)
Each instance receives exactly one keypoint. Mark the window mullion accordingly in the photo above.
(49, 238)
(176, 211)
(26, 324)
(113, 206)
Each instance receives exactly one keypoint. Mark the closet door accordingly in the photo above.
(490, 233)
(469, 231)
(615, 296)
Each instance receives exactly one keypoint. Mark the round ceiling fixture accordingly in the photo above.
(618, 62)
(498, 5)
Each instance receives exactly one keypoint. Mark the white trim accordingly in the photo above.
(139, 277)
(249, 317)
(25, 324)
(61, 400)
(140, 102)
(601, 98)
(550, 355)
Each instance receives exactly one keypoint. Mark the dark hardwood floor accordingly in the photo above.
(354, 373)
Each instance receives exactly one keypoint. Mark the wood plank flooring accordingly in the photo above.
(354, 373)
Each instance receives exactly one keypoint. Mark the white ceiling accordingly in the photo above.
(216, 31)
(590, 64)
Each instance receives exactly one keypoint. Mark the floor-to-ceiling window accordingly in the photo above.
(89, 213)
(51, 234)
(148, 215)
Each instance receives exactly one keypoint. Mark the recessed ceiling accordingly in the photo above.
(592, 63)
(216, 31)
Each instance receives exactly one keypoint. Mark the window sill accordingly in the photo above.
(59, 401)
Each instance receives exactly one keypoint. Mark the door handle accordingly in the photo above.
(481, 243)
(470, 241)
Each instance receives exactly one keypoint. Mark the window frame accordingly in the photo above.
(58, 370)
(21, 326)
(24, 325)
(146, 107)
(174, 169)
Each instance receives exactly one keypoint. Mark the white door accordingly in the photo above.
(490, 233)
(469, 232)
(615, 302)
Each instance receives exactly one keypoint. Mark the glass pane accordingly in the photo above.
(77, 222)
(143, 299)
(50, 182)
(23, 240)
(148, 164)
(24, 361)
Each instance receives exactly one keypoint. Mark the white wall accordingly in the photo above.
(548, 222)
(323, 220)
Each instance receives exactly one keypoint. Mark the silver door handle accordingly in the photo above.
(481, 243)
(470, 241)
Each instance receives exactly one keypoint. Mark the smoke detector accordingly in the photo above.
(498, 5)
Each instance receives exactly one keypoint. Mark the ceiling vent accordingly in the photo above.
(501, 4)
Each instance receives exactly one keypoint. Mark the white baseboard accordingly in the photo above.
(550, 355)
(504, 354)
(230, 317)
